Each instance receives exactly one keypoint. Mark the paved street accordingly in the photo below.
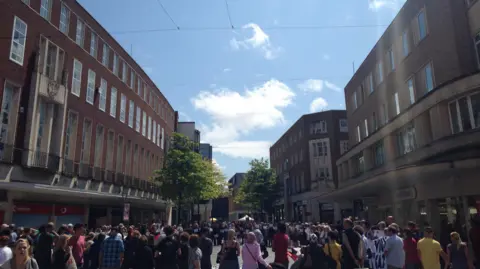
(216, 249)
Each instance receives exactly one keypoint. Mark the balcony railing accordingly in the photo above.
(39, 159)
(98, 174)
(85, 171)
(110, 176)
(119, 179)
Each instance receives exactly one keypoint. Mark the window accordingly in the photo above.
(163, 139)
(322, 174)
(119, 154)
(90, 86)
(411, 90)
(343, 146)
(422, 25)
(374, 122)
(124, 72)
(103, 95)
(19, 35)
(128, 158)
(80, 35)
(139, 86)
(115, 64)
(51, 59)
(378, 154)
(354, 100)
(86, 141)
(113, 102)
(358, 164)
(320, 149)
(318, 127)
(123, 107)
(384, 114)
(391, 59)
(77, 77)
(428, 77)
(379, 72)
(366, 127)
(110, 149)
(397, 104)
(154, 130)
(159, 134)
(64, 19)
(131, 108)
(137, 122)
(477, 48)
(99, 146)
(145, 92)
(93, 45)
(45, 7)
(370, 83)
(8, 115)
(406, 139)
(359, 136)
(70, 136)
(132, 79)
(405, 44)
(465, 113)
(343, 125)
(144, 124)
(105, 55)
(149, 131)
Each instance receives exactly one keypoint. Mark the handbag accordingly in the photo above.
(259, 265)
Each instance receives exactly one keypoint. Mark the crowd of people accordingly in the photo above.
(243, 243)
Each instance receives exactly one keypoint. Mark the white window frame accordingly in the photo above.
(105, 54)
(163, 139)
(124, 72)
(343, 123)
(366, 127)
(420, 37)
(343, 146)
(149, 130)
(113, 102)
(397, 103)
(379, 72)
(144, 124)
(77, 77)
(93, 45)
(46, 9)
(123, 107)
(411, 90)
(405, 44)
(18, 42)
(115, 64)
(139, 85)
(90, 87)
(138, 119)
(429, 66)
(102, 92)
(80, 33)
(132, 79)
(131, 110)
(154, 131)
(359, 135)
(64, 24)
(471, 117)
(391, 59)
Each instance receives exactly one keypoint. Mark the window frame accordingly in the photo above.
(102, 93)
(18, 43)
(93, 44)
(397, 103)
(76, 80)
(131, 111)
(48, 9)
(91, 90)
(424, 13)
(123, 107)
(113, 102)
(424, 70)
(458, 113)
(411, 89)
(66, 23)
(80, 36)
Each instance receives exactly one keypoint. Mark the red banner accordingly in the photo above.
(63, 210)
(39, 209)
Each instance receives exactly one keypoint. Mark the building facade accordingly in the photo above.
(235, 211)
(206, 151)
(187, 128)
(83, 126)
(304, 159)
(413, 112)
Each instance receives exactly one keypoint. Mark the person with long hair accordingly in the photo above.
(457, 253)
(230, 252)
(62, 253)
(21, 257)
(252, 254)
(5, 251)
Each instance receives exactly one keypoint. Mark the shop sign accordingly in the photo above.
(126, 212)
(39, 209)
(406, 194)
(63, 210)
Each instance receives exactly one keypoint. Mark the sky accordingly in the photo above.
(246, 70)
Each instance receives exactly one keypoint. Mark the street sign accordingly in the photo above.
(126, 212)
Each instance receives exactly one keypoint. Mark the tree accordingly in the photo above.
(186, 177)
(260, 189)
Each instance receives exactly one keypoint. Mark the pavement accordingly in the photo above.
(269, 259)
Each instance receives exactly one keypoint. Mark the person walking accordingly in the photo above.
(394, 253)
(230, 252)
(280, 245)
(143, 255)
(195, 254)
(252, 254)
(77, 242)
(62, 253)
(206, 246)
(112, 251)
(21, 257)
(429, 250)
(457, 254)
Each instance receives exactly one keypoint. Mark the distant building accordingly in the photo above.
(187, 128)
(206, 151)
(235, 211)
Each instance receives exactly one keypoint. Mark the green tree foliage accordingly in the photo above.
(259, 190)
(186, 178)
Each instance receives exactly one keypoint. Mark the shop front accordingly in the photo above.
(65, 214)
(31, 214)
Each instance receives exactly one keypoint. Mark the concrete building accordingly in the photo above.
(413, 116)
(235, 211)
(304, 159)
(188, 129)
(83, 126)
(206, 151)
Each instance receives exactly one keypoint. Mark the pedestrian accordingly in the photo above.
(457, 253)
(62, 253)
(394, 253)
(195, 254)
(143, 255)
(252, 254)
(77, 242)
(206, 246)
(21, 257)
(280, 245)
(112, 251)
(168, 249)
(230, 252)
(5, 251)
(429, 251)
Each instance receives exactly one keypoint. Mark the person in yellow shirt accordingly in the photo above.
(429, 250)
(333, 250)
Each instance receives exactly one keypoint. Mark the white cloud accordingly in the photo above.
(221, 167)
(226, 70)
(394, 5)
(317, 85)
(234, 114)
(318, 104)
(259, 40)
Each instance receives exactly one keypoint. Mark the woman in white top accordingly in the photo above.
(5, 251)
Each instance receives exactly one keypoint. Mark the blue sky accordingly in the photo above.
(244, 87)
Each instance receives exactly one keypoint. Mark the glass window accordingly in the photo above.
(454, 117)
(154, 130)
(26, 2)
(113, 102)
(145, 92)
(105, 55)
(354, 98)
(422, 25)
(428, 77)
(77, 77)
(64, 19)
(124, 72)
(406, 140)
(137, 122)
(411, 90)
(405, 44)
(123, 107)
(19, 35)
(379, 72)
(45, 7)
(465, 113)
(99, 146)
(343, 125)
(370, 82)
(115, 64)
(475, 104)
(379, 155)
(131, 108)
(149, 131)
(391, 58)
(80, 33)
(397, 104)
(366, 127)
(103, 95)
(139, 86)
(132, 79)
(93, 45)
(90, 86)
(359, 136)
(144, 124)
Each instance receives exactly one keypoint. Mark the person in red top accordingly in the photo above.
(412, 261)
(77, 242)
(280, 245)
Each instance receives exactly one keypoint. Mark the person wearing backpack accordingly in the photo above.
(168, 249)
(313, 255)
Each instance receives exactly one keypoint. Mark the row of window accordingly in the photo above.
(296, 184)
(117, 65)
(371, 124)
(289, 162)
(121, 156)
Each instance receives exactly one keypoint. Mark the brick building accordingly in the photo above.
(83, 126)
(413, 112)
(304, 159)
